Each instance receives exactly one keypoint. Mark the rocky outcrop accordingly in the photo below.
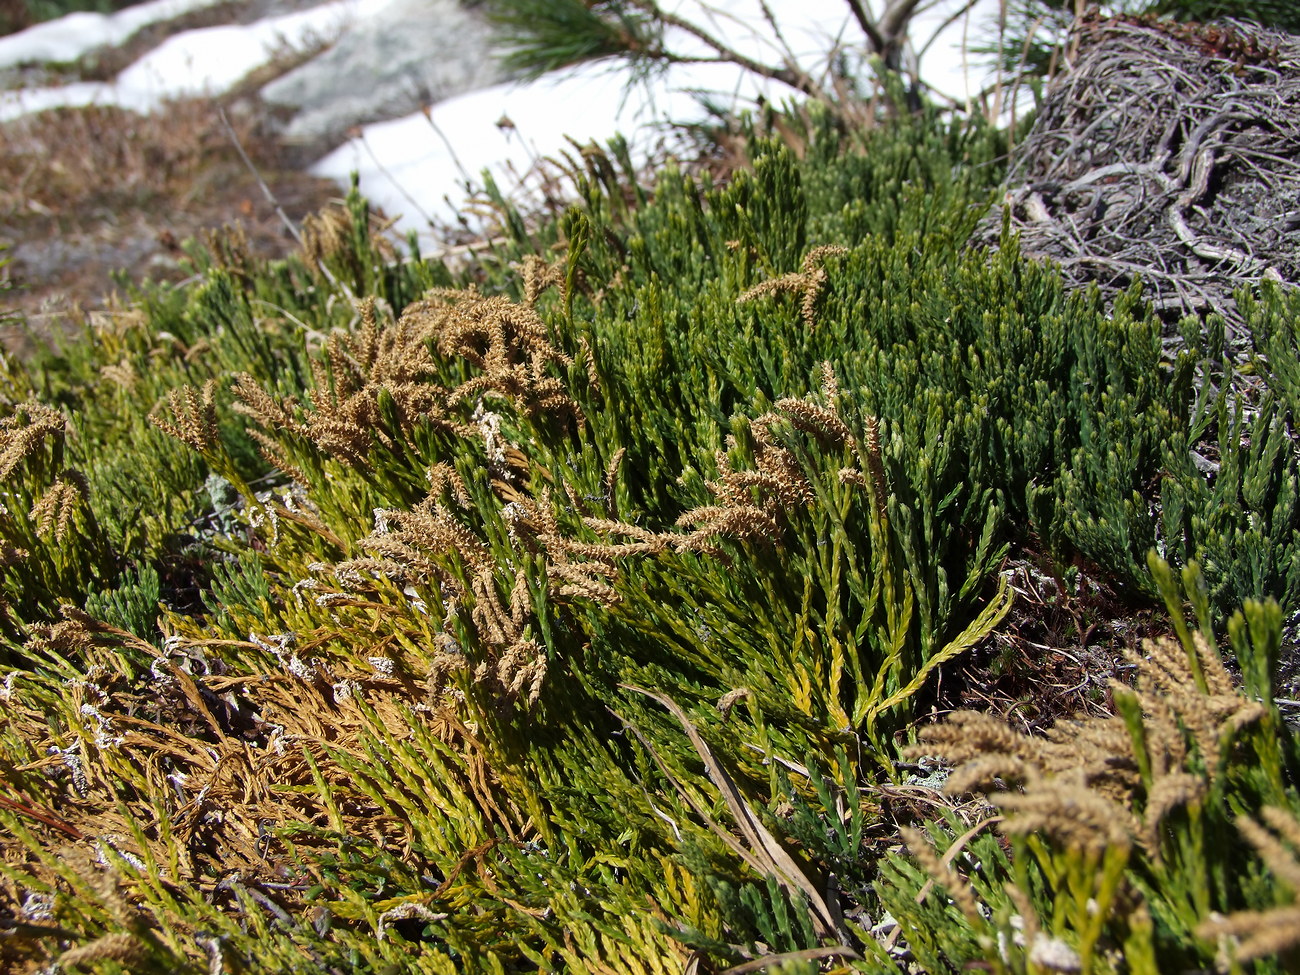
(413, 54)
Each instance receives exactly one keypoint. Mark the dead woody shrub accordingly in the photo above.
(1166, 154)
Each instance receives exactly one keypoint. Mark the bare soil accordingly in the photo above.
(90, 197)
(88, 194)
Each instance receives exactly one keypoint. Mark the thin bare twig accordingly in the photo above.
(275, 203)
(256, 174)
(795, 79)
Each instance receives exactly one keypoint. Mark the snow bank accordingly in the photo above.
(207, 61)
(412, 165)
(71, 36)
(416, 167)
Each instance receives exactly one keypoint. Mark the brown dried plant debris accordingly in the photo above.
(85, 192)
(124, 949)
(1080, 781)
(221, 756)
(1056, 652)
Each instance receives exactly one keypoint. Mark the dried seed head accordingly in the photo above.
(125, 949)
(611, 481)
(1070, 813)
(255, 402)
(968, 735)
(984, 774)
(807, 283)
(918, 844)
(1168, 691)
(539, 275)
(1218, 680)
(1028, 915)
(24, 432)
(510, 344)
(443, 478)
(1169, 792)
(586, 580)
(1283, 862)
(193, 416)
(742, 522)
(121, 373)
(523, 668)
(589, 362)
(817, 420)
(326, 234)
(1286, 826)
(66, 638)
(1259, 934)
(55, 510)
(830, 385)
(730, 699)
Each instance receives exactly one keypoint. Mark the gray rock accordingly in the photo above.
(413, 54)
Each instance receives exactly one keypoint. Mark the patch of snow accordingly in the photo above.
(206, 61)
(213, 59)
(25, 101)
(416, 167)
(411, 166)
(72, 35)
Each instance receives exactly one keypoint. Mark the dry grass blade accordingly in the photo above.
(733, 844)
(762, 845)
(42, 817)
(957, 846)
(808, 954)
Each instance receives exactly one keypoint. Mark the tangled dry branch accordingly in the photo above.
(1171, 154)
